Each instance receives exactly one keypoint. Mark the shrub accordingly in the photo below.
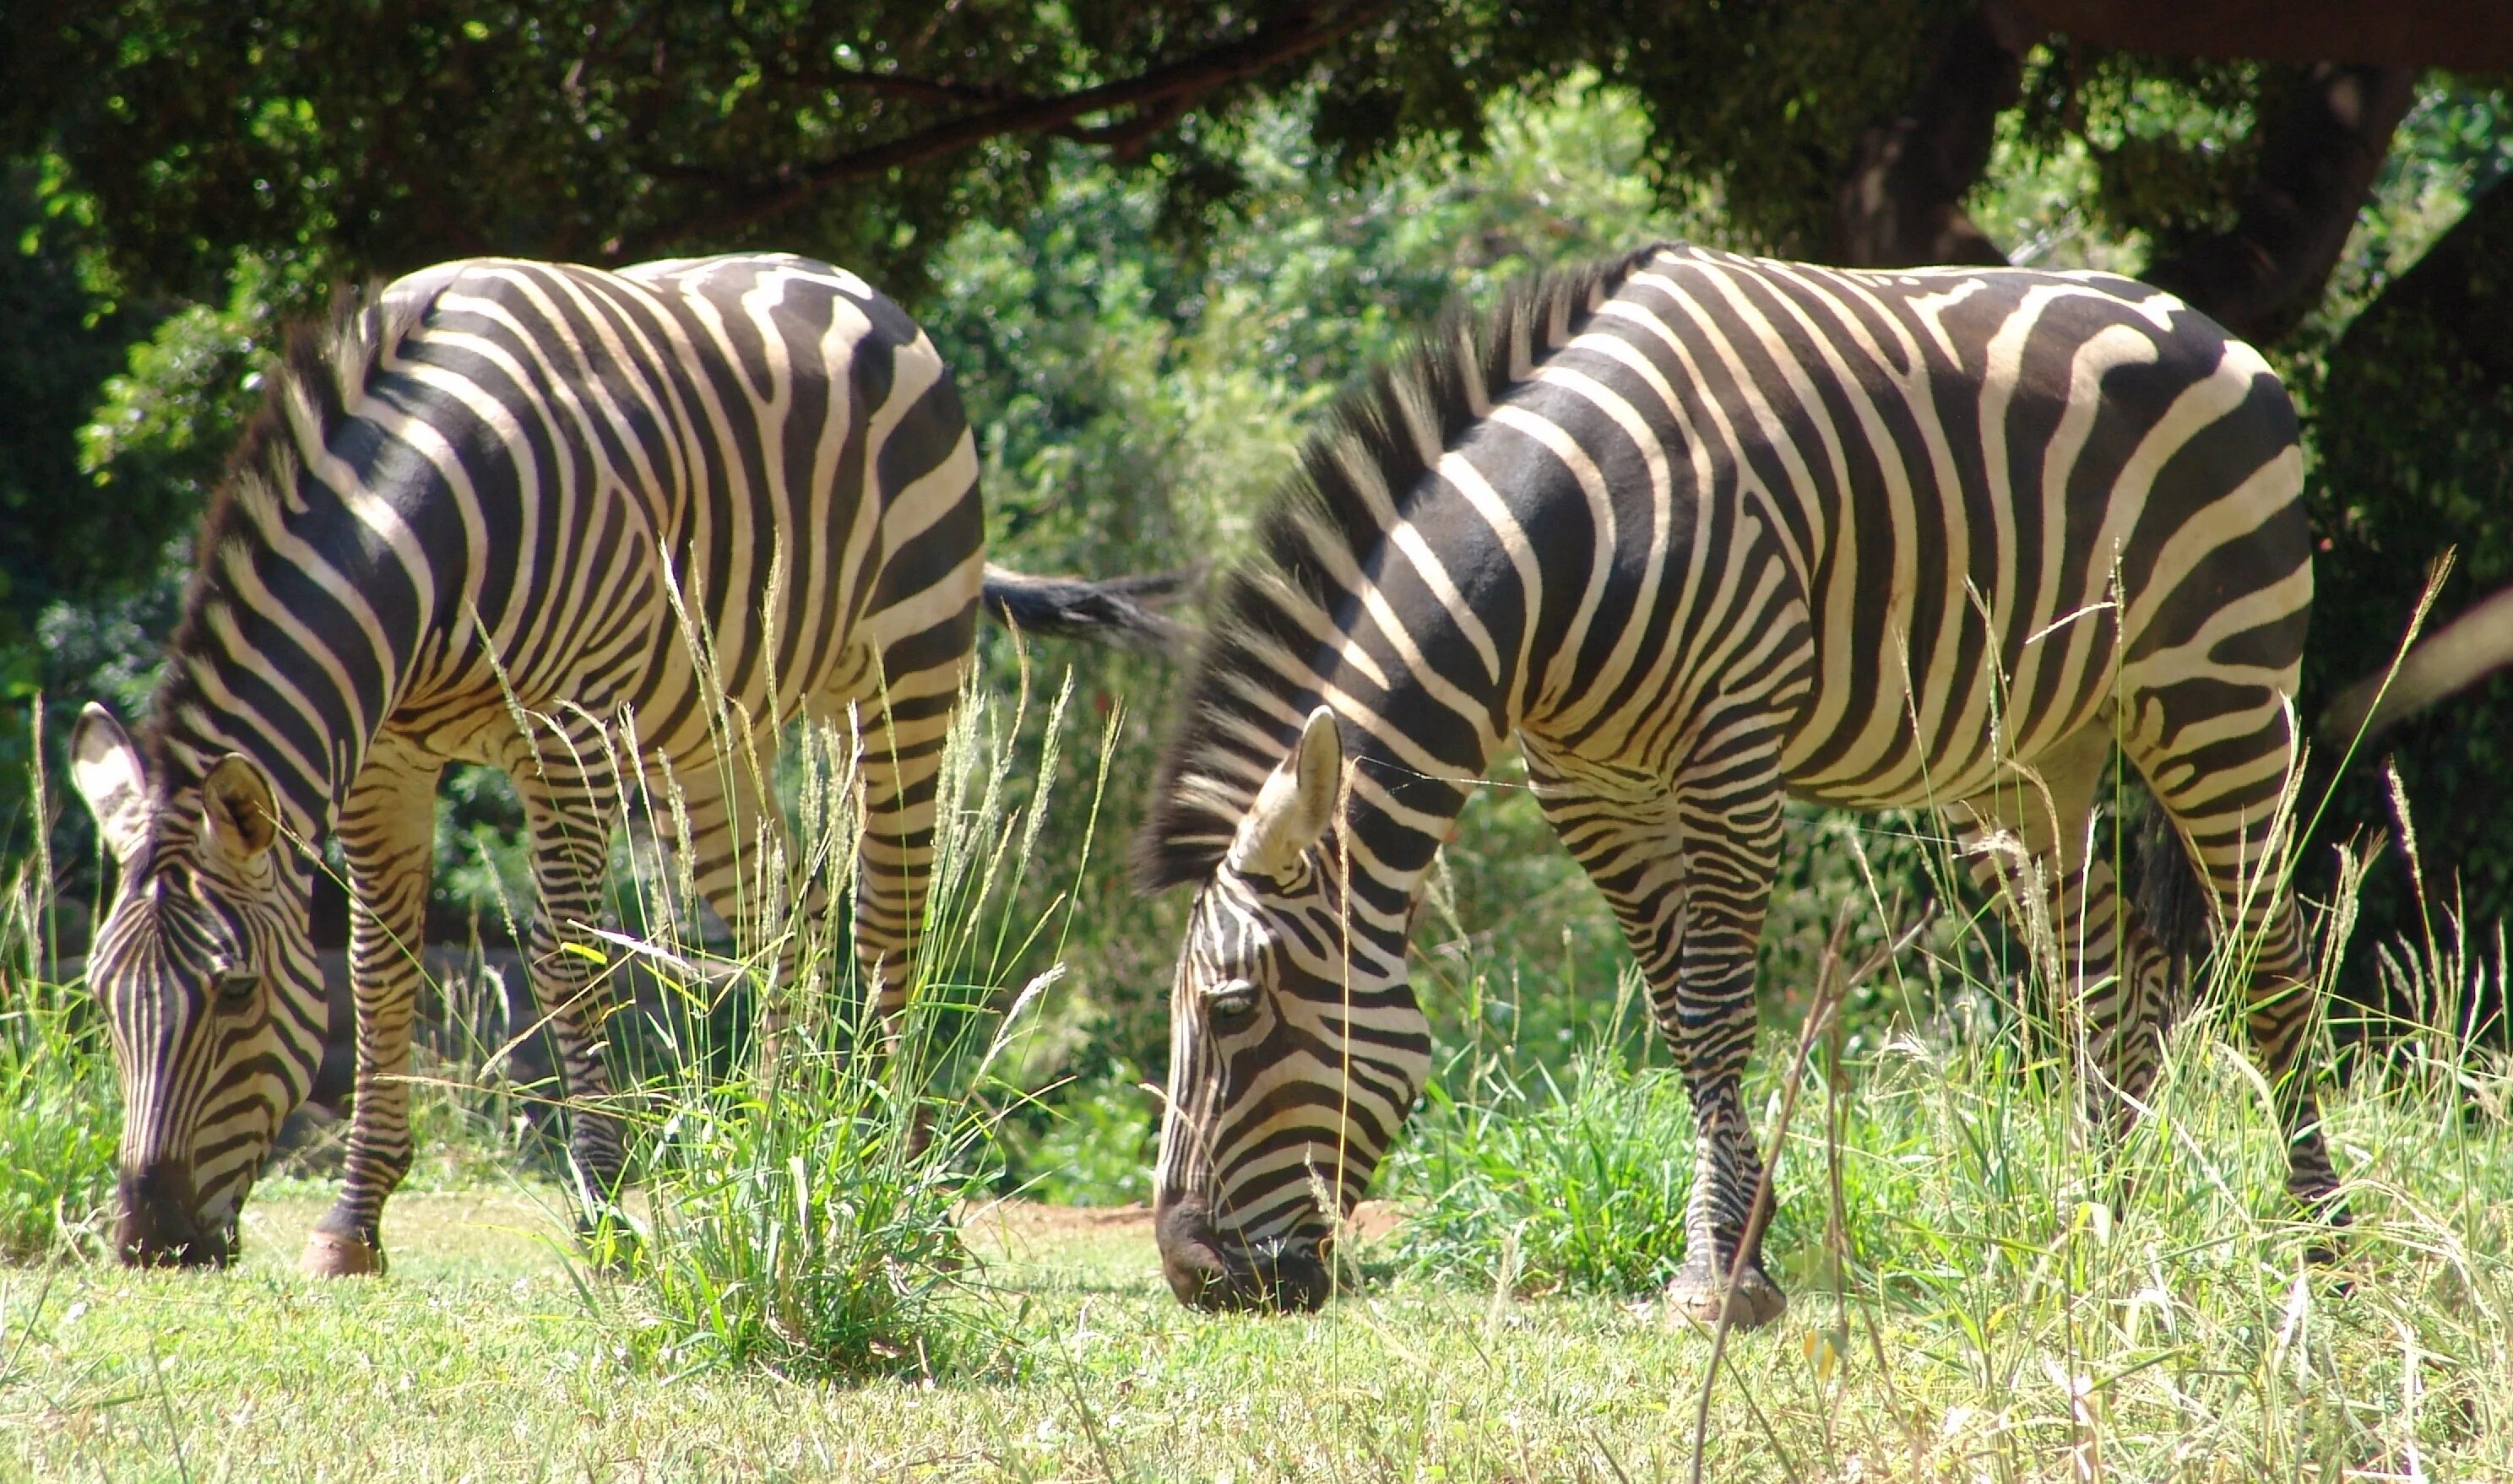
(1096, 1149)
(800, 1207)
(60, 1121)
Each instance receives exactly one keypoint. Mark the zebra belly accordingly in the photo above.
(1979, 759)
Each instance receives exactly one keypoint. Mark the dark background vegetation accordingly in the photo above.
(1151, 237)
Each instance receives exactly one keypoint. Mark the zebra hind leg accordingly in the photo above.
(569, 790)
(2099, 1022)
(745, 863)
(2027, 844)
(2229, 819)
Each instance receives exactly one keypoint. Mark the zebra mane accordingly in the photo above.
(1370, 455)
(323, 370)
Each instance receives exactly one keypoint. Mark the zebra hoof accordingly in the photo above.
(1699, 1294)
(330, 1255)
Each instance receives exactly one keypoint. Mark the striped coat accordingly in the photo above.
(594, 529)
(1699, 533)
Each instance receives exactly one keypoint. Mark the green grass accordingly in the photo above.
(807, 1290)
(59, 1122)
(1991, 1323)
(797, 1203)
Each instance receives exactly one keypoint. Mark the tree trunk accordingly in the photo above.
(1900, 203)
(2317, 166)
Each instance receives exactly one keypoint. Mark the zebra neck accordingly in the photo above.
(307, 775)
(1417, 757)
(288, 670)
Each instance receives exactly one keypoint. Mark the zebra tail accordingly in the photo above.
(1112, 611)
(2172, 900)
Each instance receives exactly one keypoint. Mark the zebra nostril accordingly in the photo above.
(160, 1226)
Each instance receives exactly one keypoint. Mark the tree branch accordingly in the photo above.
(1164, 92)
(2316, 165)
(1901, 202)
(2464, 35)
(933, 89)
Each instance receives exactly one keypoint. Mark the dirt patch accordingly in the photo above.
(1036, 1219)
(1371, 1221)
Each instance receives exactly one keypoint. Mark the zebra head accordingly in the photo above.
(1295, 1050)
(204, 968)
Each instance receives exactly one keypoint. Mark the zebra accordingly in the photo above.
(1701, 531)
(511, 513)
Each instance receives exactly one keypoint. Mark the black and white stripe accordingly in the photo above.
(1701, 531)
(594, 529)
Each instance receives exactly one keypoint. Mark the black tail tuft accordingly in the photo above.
(1115, 610)
(2171, 899)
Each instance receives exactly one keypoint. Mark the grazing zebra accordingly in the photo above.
(1702, 531)
(501, 514)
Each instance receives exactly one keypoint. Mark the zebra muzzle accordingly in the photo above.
(161, 1225)
(1208, 1272)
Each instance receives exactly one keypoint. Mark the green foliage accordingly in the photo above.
(1562, 1180)
(59, 1119)
(1136, 410)
(59, 339)
(96, 555)
(2172, 144)
(2413, 423)
(387, 141)
(1096, 1149)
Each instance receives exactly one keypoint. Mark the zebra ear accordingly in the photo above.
(109, 776)
(1296, 803)
(236, 804)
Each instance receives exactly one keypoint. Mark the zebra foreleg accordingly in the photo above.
(388, 835)
(569, 788)
(1689, 878)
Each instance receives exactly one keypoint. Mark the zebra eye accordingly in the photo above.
(236, 986)
(1233, 999)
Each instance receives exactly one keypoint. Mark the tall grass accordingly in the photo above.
(1550, 1180)
(799, 1210)
(59, 1119)
(2019, 1291)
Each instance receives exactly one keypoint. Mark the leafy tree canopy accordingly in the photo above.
(385, 136)
(1149, 232)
